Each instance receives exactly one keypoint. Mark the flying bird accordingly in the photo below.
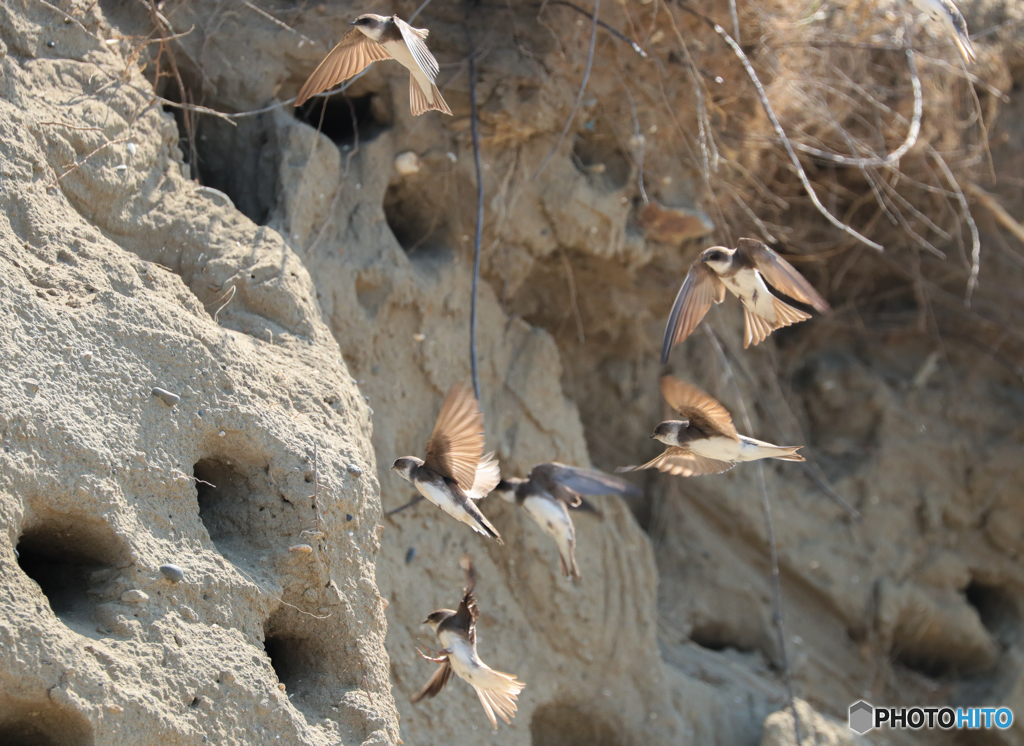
(381, 38)
(705, 440)
(456, 471)
(946, 14)
(456, 630)
(550, 491)
(743, 271)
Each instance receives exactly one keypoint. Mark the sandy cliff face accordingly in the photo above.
(309, 303)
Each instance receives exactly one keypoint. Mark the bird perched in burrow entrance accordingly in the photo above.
(705, 440)
(381, 38)
(456, 631)
(548, 493)
(948, 16)
(456, 472)
(742, 271)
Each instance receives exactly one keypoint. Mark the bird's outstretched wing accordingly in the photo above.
(569, 483)
(682, 463)
(349, 57)
(780, 274)
(457, 443)
(701, 410)
(413, 38)
(700, 289)
(436, 682)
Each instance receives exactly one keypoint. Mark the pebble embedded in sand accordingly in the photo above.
(172, 572)
(353, 469)
(407, 163)
(134, 597)
(166, 396)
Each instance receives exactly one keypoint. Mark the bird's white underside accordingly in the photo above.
(399, 50)
(443, 500)
(744, 284)
(727, 449)
(553, 518)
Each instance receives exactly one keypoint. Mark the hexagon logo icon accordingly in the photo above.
(862, 717)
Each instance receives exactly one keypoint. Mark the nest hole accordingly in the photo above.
(416, 218)
(72, 559)
(308, 656)
(347, 120)
(562, 724)
(242, 160)
(596, 154)
(238, 507)
(998, 610)
(39, 722)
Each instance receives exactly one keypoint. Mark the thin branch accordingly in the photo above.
(763, 96)
(972, 281)
(478, 236)
(418, 10)
(1006, 219)
(614, 32)
(894, 157)
(277, 21)
(67, 16)
(400, 508)
(579, 96)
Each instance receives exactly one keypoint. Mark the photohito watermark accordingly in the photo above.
(865, 717)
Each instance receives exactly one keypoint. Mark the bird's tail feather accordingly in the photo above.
(418, 102)
(756, 329)
(499, 696)
(760, 449)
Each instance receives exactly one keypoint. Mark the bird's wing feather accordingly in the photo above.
(780, 274)
(559, 479)
(682, 463)
(457, 443)
(436, 682)
(700, 289)
(694, 404)
(349, 57)
(414, 40)
(464, 620)
(488, 474)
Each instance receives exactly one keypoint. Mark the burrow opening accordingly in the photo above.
(344, 118)
(243, 160)
(308, 656)
(39, 722)
(561, 724)
(240, 508)
(416, 214)
(73, 560)
(596, 153)
(998, 610)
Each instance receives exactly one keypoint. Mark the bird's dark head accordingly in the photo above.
(371, 24)
(506, 490)
(668, 432)
(436, 617)
(404, 466)
(718, 257)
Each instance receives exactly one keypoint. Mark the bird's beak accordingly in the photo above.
(353, 23)
(652, 437)
(425, 621)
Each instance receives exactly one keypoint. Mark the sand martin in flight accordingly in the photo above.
(743, 272)
(456, 471)
(946, 14)
(705, 441)
(381, 38)
(550, 491)
(456, 630)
